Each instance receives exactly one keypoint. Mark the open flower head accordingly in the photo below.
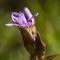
(22, 19)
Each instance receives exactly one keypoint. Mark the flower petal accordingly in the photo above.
(32, 16)
(15, 16)
(27, 12)
(9, 24)
(22, 19)
(27, 24)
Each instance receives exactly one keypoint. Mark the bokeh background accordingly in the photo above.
(47, 23)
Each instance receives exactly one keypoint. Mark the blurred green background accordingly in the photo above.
(48, 24)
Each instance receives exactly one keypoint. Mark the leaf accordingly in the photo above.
(50, 57)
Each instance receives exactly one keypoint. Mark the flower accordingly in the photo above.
(22, 19)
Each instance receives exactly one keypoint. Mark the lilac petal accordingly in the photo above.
(15, 16)
(27, 24)
(32, 16)
(9, 24)
(22, 19)
(27, 13)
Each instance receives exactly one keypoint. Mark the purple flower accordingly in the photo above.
(22, 19)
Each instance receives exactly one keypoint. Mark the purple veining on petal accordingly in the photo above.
(15, 16)
(9, 24)
(22, 19)
(23, 22)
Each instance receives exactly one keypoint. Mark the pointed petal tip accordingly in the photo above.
(37, 14)
(33, 16)
(11, 24)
